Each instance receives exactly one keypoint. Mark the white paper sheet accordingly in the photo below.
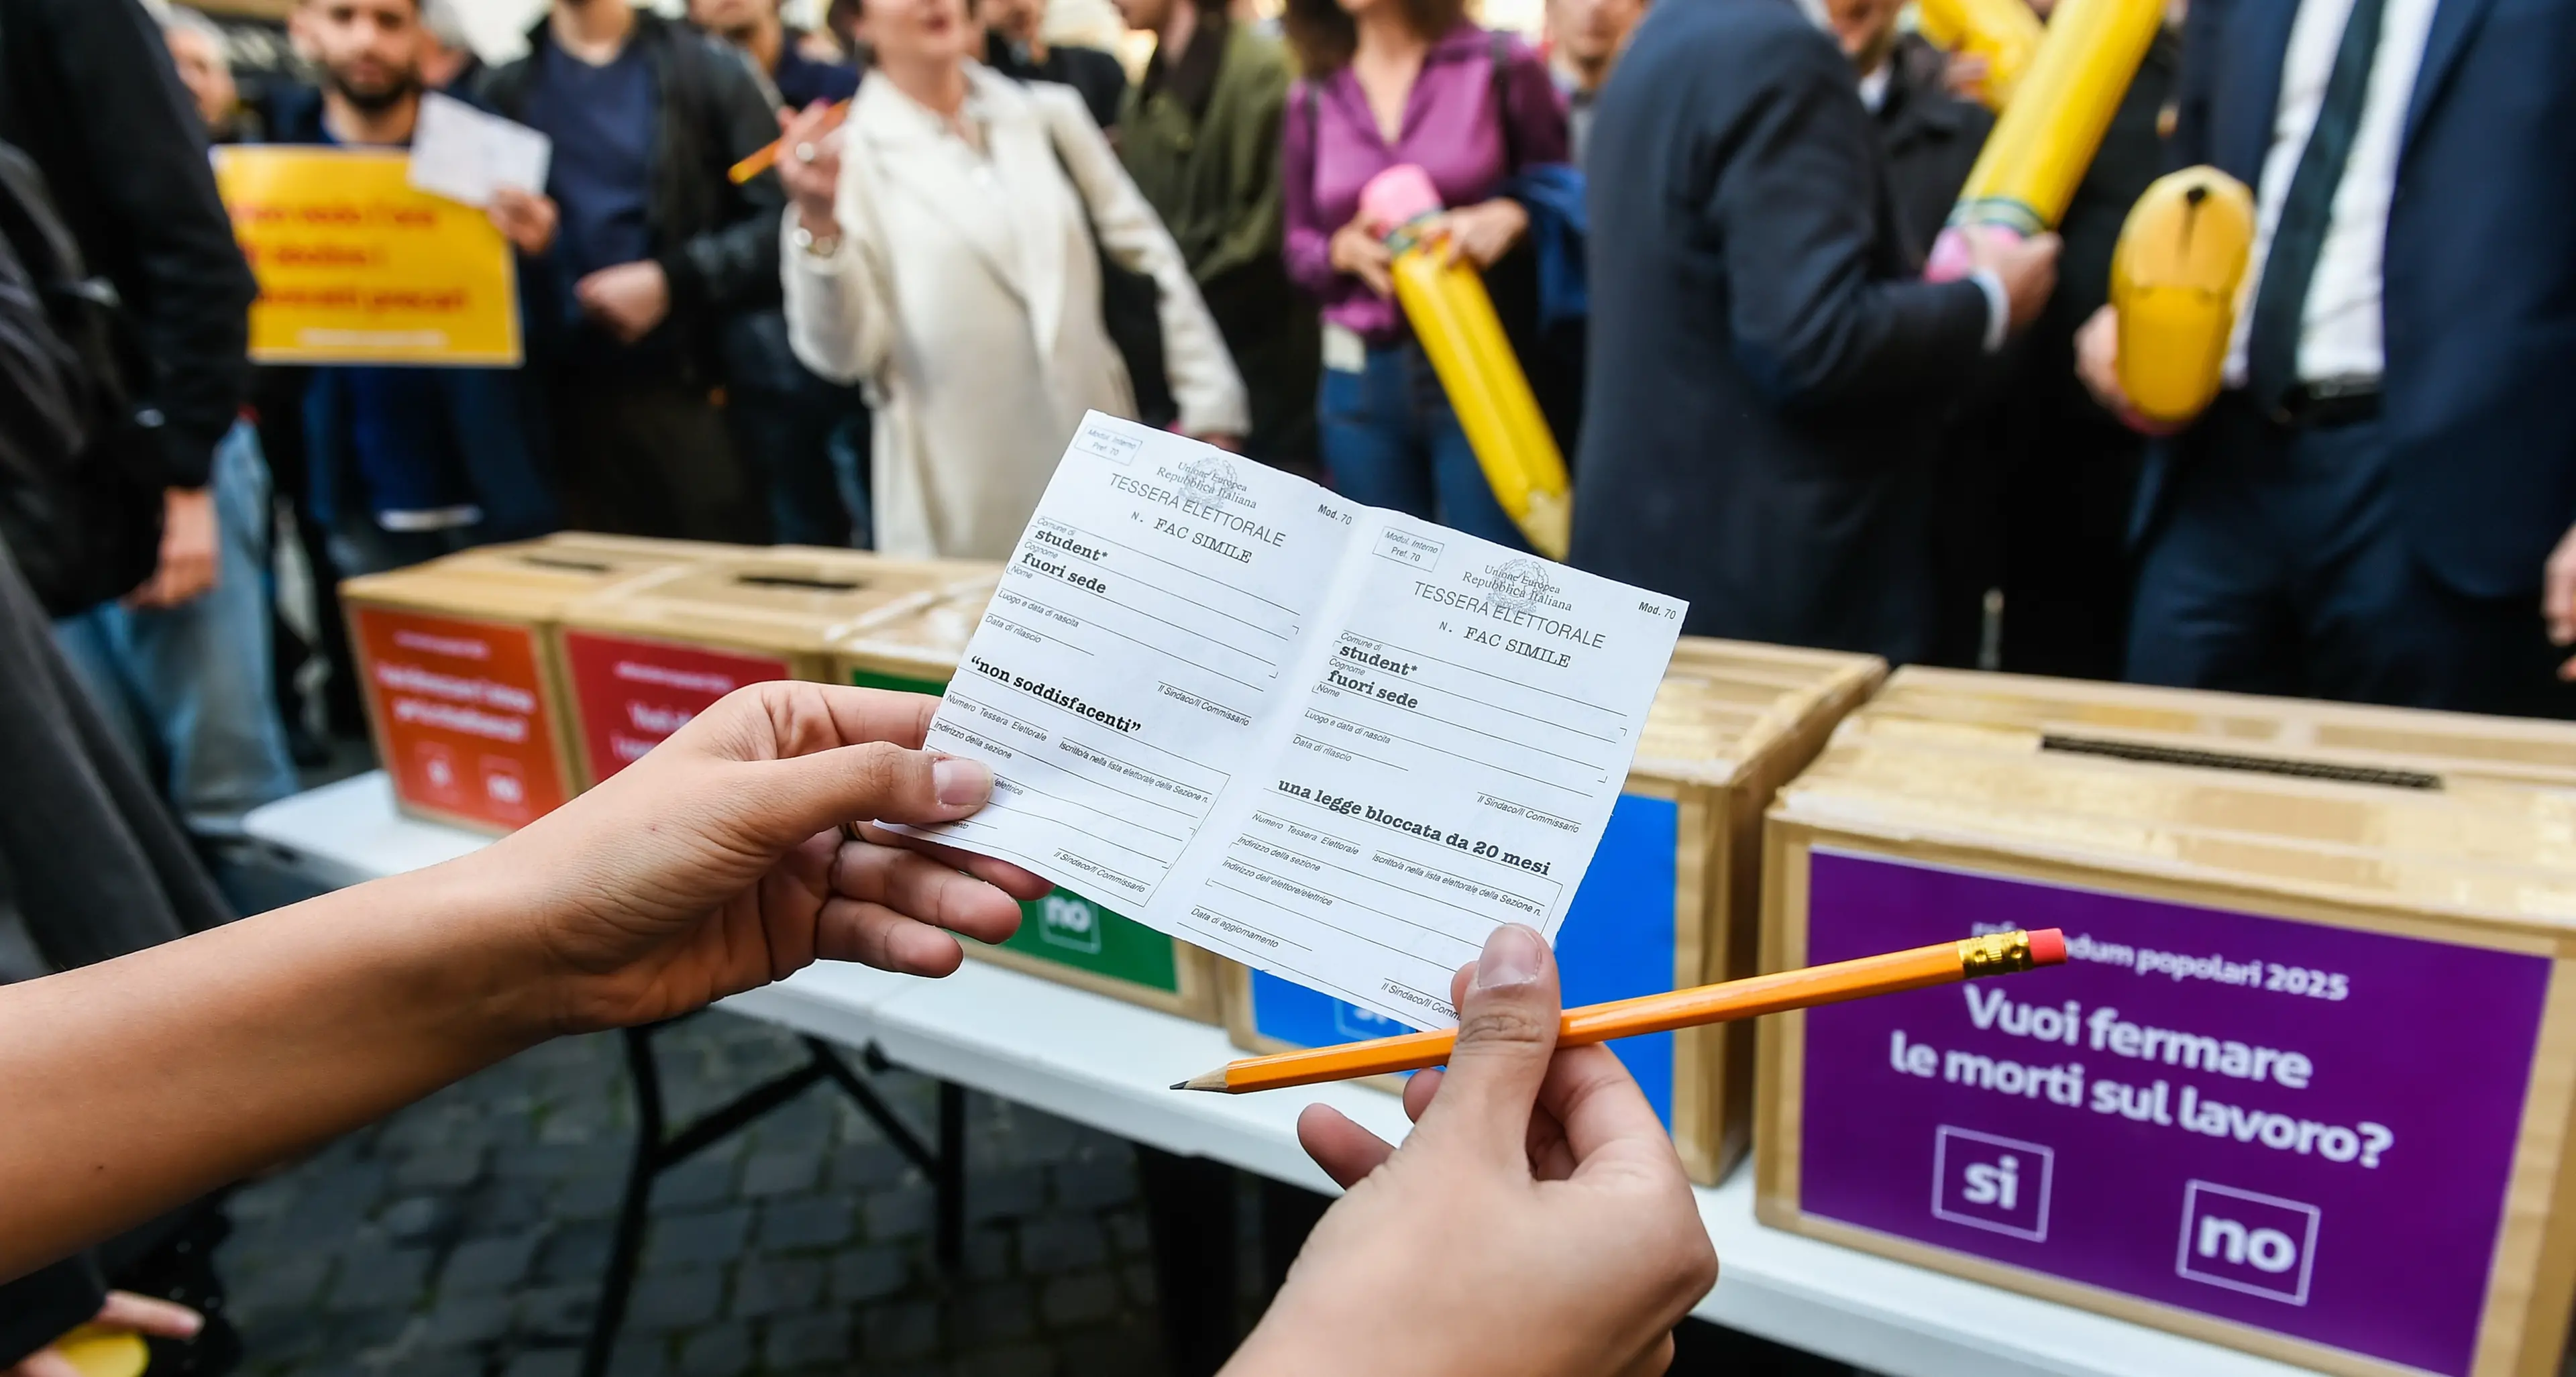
(463, 154)
(1329, 740)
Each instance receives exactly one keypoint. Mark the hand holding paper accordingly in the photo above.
(463, 154)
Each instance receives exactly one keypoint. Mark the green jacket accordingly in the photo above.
(1214, 178)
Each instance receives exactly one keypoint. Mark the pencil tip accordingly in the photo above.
(1180, 1085)
(1205, 1080)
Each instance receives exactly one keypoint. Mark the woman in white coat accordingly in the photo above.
(939, 249)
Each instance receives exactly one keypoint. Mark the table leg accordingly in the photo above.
(646, 1076)
(1189, 1217)
(951, 1177)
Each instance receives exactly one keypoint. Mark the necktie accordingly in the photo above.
(2281, 299)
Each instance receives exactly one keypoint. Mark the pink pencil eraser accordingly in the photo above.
(1397, 196)
(2048, 947)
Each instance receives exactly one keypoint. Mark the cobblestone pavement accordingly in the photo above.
(466, 1236)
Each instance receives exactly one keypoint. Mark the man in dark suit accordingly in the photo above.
(2366, 511)
(1767, 368)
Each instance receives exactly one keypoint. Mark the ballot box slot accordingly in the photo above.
(578, 566)
(2251, 764)
(811, 585)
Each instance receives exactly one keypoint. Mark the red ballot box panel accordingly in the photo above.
(630, 692)
(461, 708)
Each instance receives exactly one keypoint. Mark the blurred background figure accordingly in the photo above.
(776, 50)
(196, 46)
(2069, 469)
(1016, 46)
(658, 264)
(1389, 82)
(807, 438)
(947, 246)
(1200, 137)
(1583, 42)
(447, 58)
(1770, 370)
(2369, 510)
(406, 464)
(181, 662)
(1929, 137)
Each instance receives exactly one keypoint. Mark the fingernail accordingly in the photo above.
(1512, 957)
(961, 782)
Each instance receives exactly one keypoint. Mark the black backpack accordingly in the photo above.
(80, 495)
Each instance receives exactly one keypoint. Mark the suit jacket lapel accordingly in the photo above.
(2453, 22)
(908, 147)
(1037, 179)
(2260, 40)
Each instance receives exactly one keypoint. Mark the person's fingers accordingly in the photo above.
(46, 1362)
(1002, 875)
(1657, 1358)
(914, 884)
(149, 1315)
(1419, 1088)
(1506, 1032)
(874, 935)
(2558, 591)
(1346, 1151)
(1589, 1092)
(878, 781)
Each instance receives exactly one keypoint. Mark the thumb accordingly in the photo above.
(1506, 1033)
(876, 781)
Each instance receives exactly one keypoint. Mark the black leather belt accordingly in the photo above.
(2324, 405)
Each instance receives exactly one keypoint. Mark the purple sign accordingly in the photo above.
(2298, 1127)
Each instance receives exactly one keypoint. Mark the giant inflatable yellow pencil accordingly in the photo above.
(1454, 318)
(2175, 276)
(2003, 32)
(2047, 136)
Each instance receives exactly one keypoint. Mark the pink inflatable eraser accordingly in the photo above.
(1397, 196)
(2048, 947)
(1951, 258)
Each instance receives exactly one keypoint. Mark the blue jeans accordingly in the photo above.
(1390, 440)
(191, 689)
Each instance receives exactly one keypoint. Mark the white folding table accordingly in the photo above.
(1108, 1064)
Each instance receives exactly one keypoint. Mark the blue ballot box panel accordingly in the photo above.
(1617, 941)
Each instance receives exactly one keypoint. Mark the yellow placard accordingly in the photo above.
(355, 266)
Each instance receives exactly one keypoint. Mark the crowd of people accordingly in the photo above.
(975, 232)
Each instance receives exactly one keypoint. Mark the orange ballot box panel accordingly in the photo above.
(355, 266)
(460, 680)
(2304, 1084)
(643, 658)
(1672, 897)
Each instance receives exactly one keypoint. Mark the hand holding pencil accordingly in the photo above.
(1536, 1222)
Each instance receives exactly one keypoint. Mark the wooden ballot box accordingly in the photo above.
(1672, 897)
(1064, 936)
(2304, 1084)
(461, 683)
(645, 657)
(2235, 730)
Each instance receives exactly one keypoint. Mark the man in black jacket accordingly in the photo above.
(658, 262)
(1767, 367)
(87, 89)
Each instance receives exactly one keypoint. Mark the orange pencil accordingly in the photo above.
(1942, 963)
(763, 157)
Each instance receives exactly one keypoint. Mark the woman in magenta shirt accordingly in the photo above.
(1391, 82)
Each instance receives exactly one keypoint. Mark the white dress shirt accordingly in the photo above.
(2339, 337)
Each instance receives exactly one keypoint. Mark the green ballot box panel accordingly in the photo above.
(1069, 930)
(899, 683)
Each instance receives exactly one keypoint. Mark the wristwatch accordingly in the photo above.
(819, 245)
